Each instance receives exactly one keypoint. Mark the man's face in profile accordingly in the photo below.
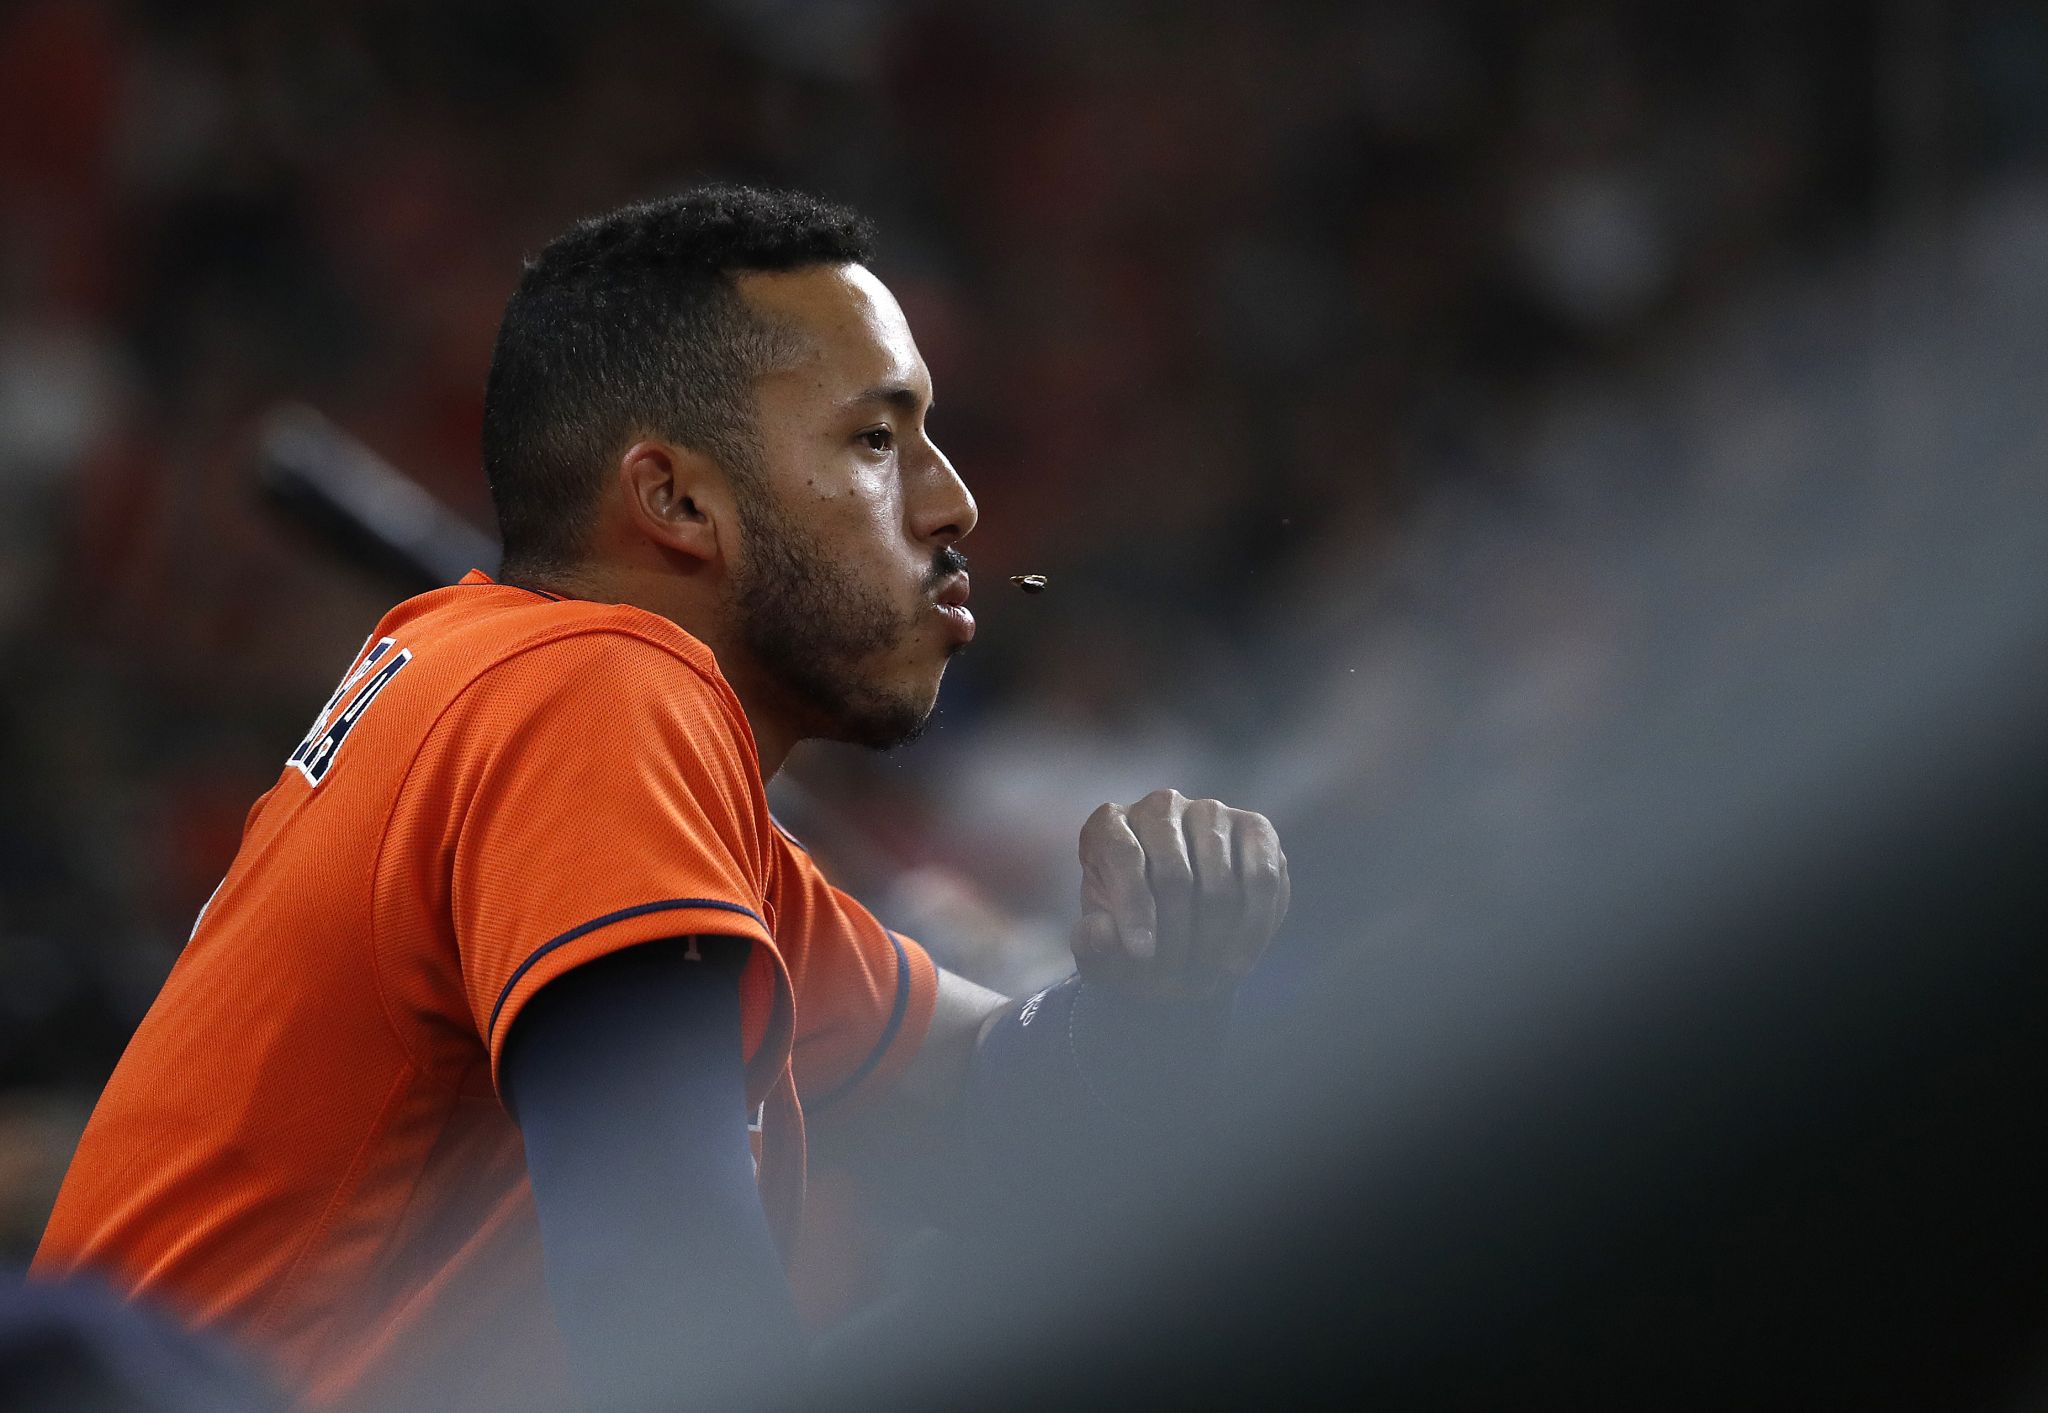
(849, 519)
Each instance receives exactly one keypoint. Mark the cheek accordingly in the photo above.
(864, 521)
(851, 510)
(851, 492)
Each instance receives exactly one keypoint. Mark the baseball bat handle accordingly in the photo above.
(361, 508)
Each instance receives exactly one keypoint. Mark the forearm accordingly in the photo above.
(1069, 1090)
(1083, 1052)
(996, 1111)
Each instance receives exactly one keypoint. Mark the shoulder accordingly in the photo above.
(511, 664)
(606, 650)
(506, 641)
(610, 676)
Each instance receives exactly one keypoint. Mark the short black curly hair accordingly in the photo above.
(630, 325)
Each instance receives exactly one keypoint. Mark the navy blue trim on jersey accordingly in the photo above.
(896, 1015)
(783, 830)
(585, 929)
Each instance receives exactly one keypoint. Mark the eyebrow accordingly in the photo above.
(896, 395)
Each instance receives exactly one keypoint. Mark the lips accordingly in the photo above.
(951, 605)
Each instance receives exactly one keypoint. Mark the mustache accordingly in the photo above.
(945, 564)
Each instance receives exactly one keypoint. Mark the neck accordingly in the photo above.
(693, 607)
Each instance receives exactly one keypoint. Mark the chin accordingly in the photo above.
(872, 706)
(882, 730)
(879, 715)
(887, 719)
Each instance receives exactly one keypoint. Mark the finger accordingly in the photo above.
(1097, 953)
(1218, 893)
(1262, 871)
(1113, 880)
(1156, 820)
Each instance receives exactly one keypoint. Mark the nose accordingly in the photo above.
(945, 509)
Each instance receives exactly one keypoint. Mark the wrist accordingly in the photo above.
(1085, 1047)
(1144, 1052)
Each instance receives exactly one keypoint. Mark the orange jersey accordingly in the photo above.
(303, 1146)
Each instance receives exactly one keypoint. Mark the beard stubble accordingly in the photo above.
(815, 630)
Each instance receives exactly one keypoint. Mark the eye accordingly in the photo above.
(878, 438)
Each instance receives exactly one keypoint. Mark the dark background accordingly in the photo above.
(1488, 438)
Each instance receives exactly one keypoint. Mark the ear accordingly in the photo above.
(677, 498)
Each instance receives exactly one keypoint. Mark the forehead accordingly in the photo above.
(851, 331)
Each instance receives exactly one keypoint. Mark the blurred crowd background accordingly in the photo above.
(1398, 395)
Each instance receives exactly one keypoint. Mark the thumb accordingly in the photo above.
(1095, 940)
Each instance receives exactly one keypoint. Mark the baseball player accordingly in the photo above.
(490, 1071)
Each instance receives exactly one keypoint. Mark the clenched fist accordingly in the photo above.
(1179, 897)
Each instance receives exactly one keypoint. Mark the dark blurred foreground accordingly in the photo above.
(1744, 1111)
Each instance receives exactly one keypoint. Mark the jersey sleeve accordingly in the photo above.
(864, 993)
(607, 803)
